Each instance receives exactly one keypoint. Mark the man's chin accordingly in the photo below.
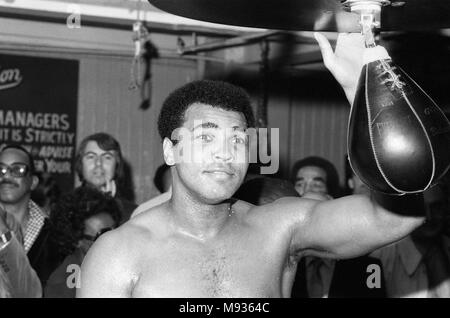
(216, 198)
(10, 199)
(96, 183)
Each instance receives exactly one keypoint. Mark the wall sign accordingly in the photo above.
(38, 109)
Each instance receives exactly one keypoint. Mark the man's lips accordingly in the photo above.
(98, 173)
(220, 172)
(8, 185)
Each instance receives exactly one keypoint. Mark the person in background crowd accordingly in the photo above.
(99, 164)
(78, 220)
(418, 266)
(17, 181)
(17, 278)
(47, 192)
(317, 175)
(329, 278)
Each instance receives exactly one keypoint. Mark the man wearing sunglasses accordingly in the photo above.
(19, 218)
(17, 180)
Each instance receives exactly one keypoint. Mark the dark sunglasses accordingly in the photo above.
(17, 170)
(94, 238)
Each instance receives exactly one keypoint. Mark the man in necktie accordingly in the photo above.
(360, 277)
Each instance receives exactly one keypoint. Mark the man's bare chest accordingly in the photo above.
(226, 269)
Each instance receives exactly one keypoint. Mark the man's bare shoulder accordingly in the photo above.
(280, 214)
(282, 207)
(113, 246)
(111, 265)
(127, 241)
(118, 254)
(150, 221)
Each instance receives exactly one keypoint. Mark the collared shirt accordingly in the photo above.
(34, 225)
(404, 270)
(319, 273)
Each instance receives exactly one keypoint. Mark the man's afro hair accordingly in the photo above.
(215, 93)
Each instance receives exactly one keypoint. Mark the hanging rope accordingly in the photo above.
(140, 35)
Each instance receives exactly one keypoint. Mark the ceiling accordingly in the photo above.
(112, 14)
(289, 50)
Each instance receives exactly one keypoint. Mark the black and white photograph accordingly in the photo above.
(225, 154)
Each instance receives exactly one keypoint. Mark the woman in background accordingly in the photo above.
(78, 220)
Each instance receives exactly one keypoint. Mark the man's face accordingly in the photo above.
(14, 189)
(98, 165)
(218, 161)
(311, 179)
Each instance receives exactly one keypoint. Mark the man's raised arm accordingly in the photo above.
(346, 61)
(354, 225)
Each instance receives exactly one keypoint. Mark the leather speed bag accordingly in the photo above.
(398, 138)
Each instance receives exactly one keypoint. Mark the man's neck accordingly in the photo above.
(90, 185)
(19, 210)
(197, 219)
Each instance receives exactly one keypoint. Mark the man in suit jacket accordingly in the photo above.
(17, 181)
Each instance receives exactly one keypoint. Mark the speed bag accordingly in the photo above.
(398, 139)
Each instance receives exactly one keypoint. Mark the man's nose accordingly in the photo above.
(308, 187)
(98, 161)
(224, 153)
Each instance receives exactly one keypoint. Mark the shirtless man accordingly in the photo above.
(201, 243)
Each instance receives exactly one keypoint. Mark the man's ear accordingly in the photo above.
(169, 153)
(34, 182)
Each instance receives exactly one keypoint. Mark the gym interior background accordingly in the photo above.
(283, 71)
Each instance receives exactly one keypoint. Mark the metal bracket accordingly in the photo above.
(236, 41)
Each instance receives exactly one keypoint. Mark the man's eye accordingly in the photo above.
(108, 157)
(20, 169)
(319, 184)
(238, 140)
(206, 138)
(90, 157)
